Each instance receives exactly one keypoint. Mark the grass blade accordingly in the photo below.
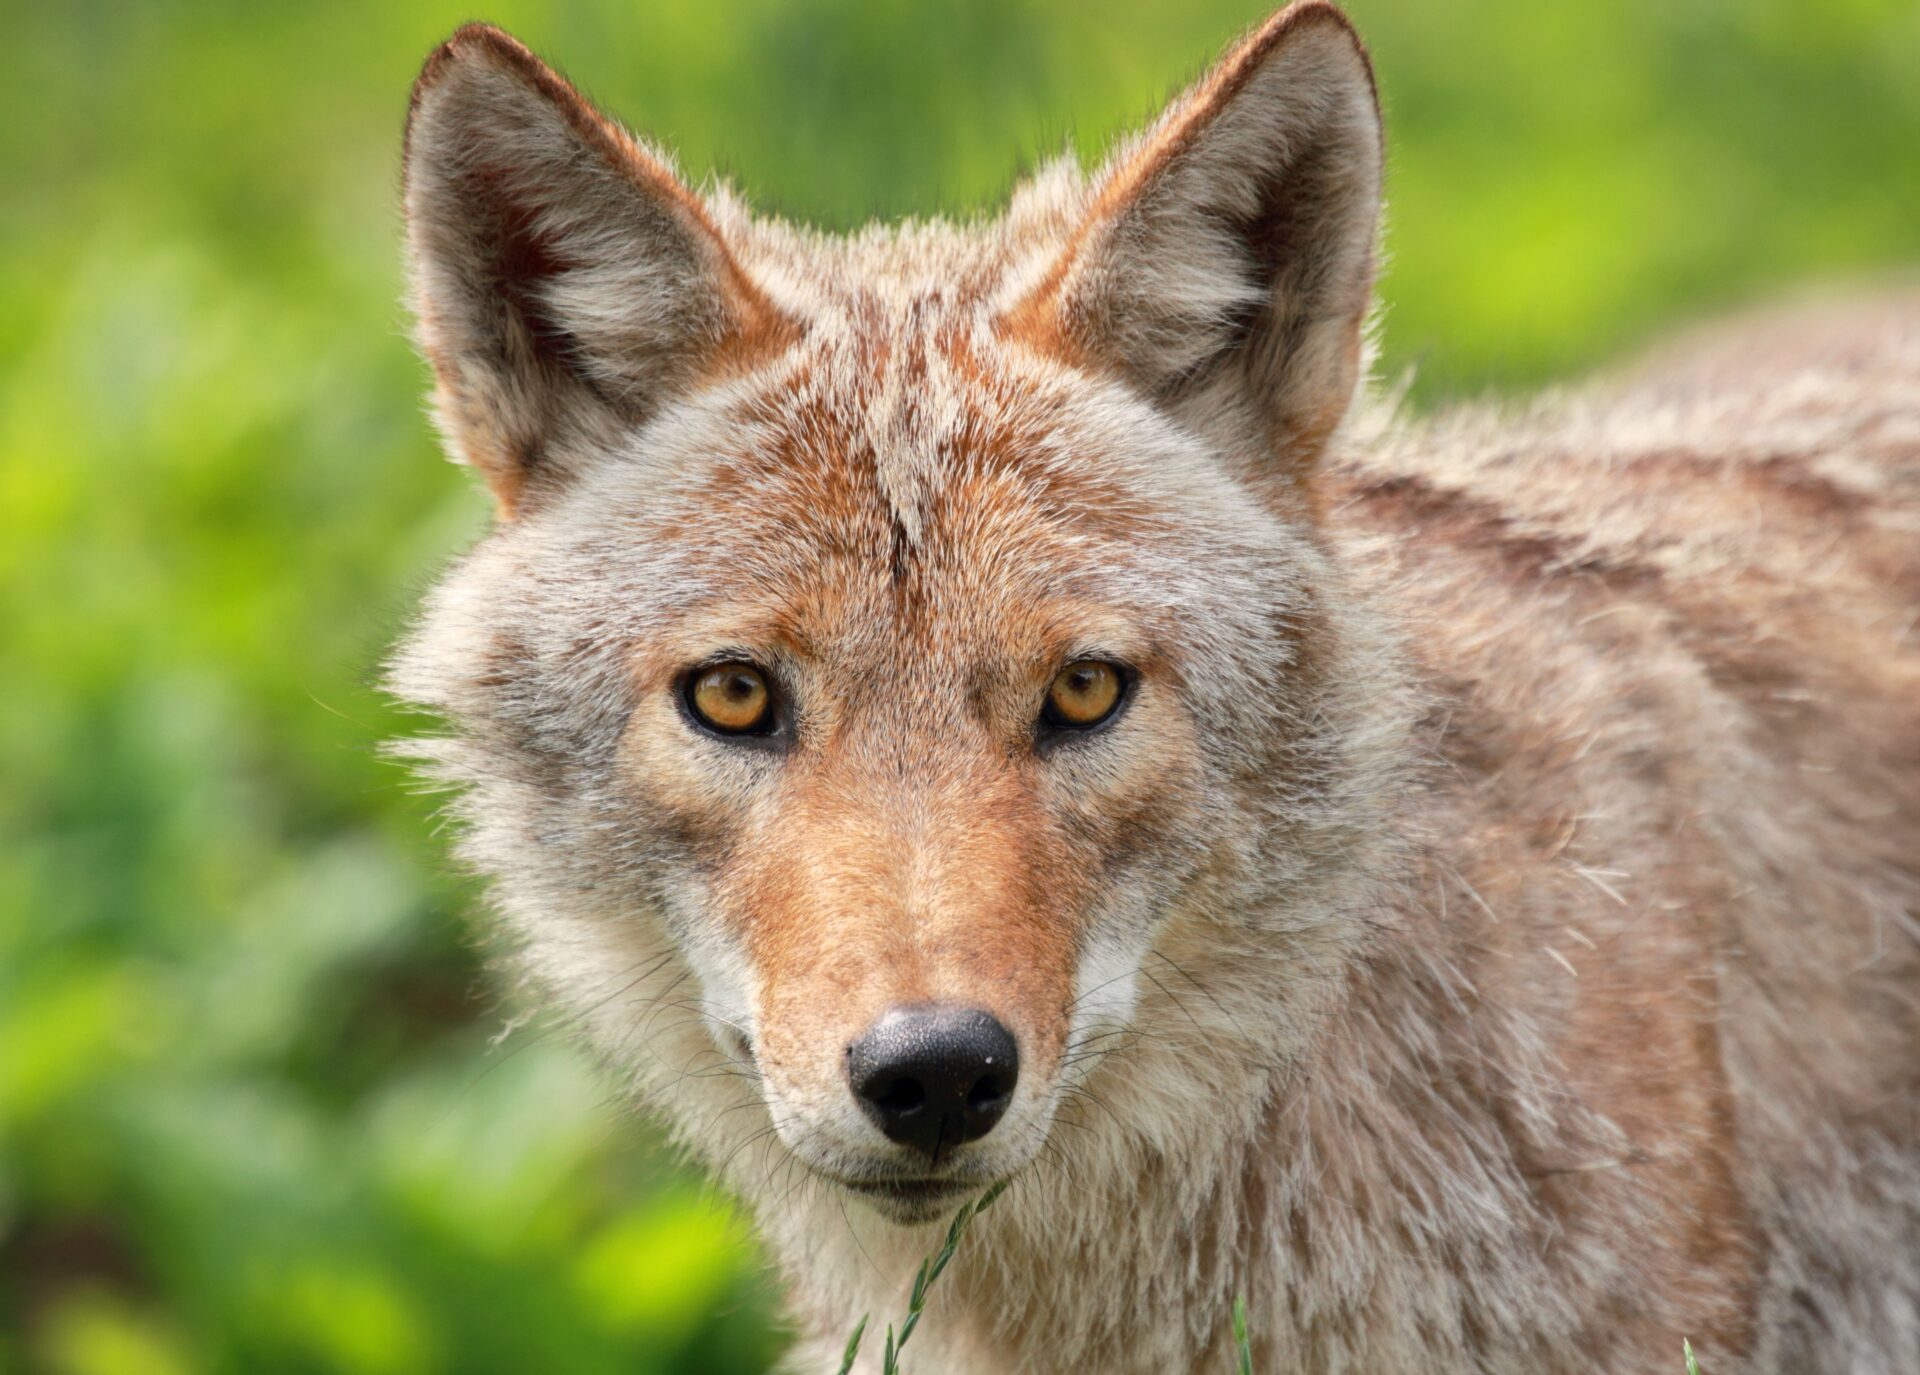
(853, 1345)
(923, 1279)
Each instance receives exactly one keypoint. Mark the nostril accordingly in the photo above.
(990, 1093)
(899, 1097)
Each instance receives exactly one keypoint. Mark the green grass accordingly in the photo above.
(931, 1267)
(249, 1117)
(930, 1270)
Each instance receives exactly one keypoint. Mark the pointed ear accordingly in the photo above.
(565, 283)
(1224, 262)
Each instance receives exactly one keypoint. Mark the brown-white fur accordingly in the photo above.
(1487, 941)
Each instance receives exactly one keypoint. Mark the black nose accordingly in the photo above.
(934, 1077)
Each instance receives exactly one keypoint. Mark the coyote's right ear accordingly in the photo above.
(565, 282)
(1224, 262)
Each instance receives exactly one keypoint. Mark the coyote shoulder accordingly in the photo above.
(963, 704)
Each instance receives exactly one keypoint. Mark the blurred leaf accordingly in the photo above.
(656, 1270)
(350, 1319)
(95, 1334)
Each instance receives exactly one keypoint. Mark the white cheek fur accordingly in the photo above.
(1106, 987)
(728, 982)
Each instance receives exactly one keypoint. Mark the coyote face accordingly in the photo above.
(925, 730)
(900, 632)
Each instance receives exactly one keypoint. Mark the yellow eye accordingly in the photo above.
(1084, 694)
(733, 699)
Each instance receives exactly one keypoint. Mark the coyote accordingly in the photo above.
(975, 702)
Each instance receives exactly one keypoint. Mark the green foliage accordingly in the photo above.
(249, 1117)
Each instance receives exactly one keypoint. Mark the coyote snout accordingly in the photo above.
(912, 972)
(932, 1078)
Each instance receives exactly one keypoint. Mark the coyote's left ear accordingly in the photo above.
(567, 284)
(1224, 264)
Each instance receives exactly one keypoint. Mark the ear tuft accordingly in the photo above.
(1224, 262)
(565, 282)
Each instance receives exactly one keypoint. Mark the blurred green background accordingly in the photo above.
(252, 1117)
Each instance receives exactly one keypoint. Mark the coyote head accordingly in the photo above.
(893, 651)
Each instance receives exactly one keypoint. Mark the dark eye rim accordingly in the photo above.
(1053, 726)
(772, 724)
